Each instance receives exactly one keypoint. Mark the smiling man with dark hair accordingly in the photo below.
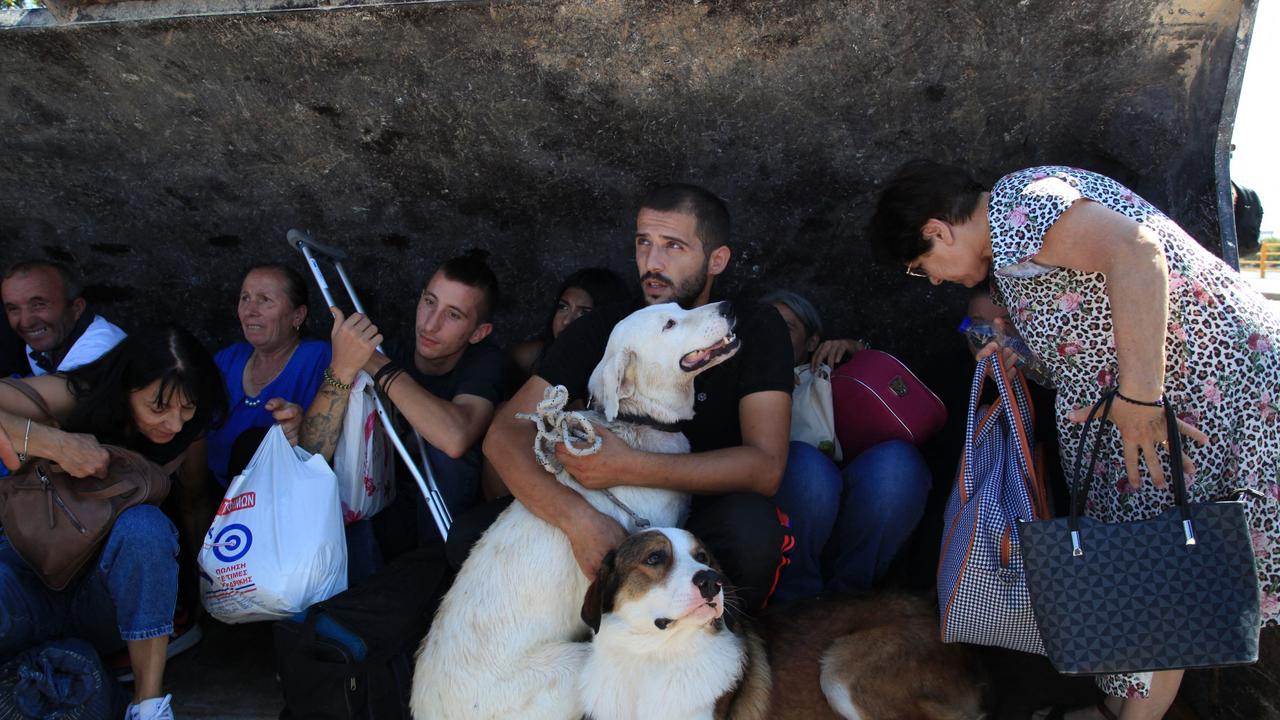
(44, 306)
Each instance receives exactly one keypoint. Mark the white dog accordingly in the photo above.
(662, 647)
(506, 642)
(665, 648)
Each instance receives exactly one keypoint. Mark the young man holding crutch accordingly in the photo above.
(445, 384)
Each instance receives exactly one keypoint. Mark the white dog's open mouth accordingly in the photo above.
(698, 359)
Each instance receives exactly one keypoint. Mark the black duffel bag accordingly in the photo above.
(351, 656)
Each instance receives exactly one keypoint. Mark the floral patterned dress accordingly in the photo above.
(1222, 349)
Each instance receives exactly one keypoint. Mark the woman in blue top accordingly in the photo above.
(274, 372)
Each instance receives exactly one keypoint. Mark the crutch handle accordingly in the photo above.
(310, 249)
(297, 238)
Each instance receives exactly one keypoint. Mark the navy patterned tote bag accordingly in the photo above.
(982, 590)
(1178, 590)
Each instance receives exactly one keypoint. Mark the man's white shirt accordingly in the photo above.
(96, 340)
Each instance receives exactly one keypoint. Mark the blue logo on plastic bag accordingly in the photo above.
(232, 543)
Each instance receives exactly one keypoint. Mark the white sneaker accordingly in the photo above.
(151, 709)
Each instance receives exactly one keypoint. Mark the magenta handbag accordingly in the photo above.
(876, 398)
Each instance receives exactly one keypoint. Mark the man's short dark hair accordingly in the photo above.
(472, 269)
(71, 285)
(919, 191)
(711, 216)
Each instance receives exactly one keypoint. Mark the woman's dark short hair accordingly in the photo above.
(919, 191)
(169, 354)
(605, 287)
(472, 269)
(711, 216)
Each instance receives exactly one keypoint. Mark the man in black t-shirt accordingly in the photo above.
(444, 384)
(739, 432)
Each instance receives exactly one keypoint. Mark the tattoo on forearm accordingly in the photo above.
(323, 423)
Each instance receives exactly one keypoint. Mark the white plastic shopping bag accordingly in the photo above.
(364, 460)
(813, 420)
(276, 545)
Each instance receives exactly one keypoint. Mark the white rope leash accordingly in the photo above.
(557, 425)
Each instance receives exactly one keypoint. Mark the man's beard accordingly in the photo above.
(686, 293)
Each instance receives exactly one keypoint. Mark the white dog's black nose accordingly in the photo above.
(726, 309)
(708, 582)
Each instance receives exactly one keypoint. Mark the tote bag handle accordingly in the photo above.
(1012, 402)
(1083, 482)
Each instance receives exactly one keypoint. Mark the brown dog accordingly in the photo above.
(666, 648)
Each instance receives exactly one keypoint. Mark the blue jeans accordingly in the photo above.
(851, 521)
(128, 594)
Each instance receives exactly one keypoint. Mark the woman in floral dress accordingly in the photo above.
(1085, 267)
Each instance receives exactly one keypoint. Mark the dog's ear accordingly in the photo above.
(599, 597)
(612, 381)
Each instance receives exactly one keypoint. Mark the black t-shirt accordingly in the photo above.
(762, 363)
(478, 372)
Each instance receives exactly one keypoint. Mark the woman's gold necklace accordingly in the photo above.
(252, 365)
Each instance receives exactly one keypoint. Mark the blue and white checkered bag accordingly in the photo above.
(982, 587)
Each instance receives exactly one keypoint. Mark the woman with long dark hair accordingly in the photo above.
(580, 293)
(156, 393)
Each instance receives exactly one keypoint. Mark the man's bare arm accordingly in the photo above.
(509, 448)
(755, 466)
(452, 426)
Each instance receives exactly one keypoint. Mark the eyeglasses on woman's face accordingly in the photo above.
(914, 270)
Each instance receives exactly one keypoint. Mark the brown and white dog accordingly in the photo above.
(666, 648)
(506, 641)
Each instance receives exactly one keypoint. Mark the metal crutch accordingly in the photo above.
(312, 250)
